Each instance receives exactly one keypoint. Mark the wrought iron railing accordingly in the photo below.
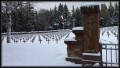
(110, 55)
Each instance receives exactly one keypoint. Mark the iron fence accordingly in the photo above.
(110, 55)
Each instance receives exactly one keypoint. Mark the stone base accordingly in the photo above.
(76, 60)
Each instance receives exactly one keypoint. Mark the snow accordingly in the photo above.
(105, 39)
(35, 54)
(91, 60)
(96, 64)
(70, 39)
(75, 57)
(77, 28)
(89, 4)
(46, 53)
(92, 54)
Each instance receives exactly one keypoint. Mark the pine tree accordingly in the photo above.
(116, 6)
(66, 12)
(23, 17)
(105, 15)
(66, 16)
(113, 12)
(104, 10)
(78, 17)
(73, 12)
(111, 9)
(26, 15)
(60, 9)
(116, 14)
(55, 12)
(60, 12)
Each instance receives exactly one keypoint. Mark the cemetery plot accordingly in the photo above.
(54, 36)
(22, 38)
(51, 36)
(33, 38)
(40, 48)
(40, 40)
(109, 30)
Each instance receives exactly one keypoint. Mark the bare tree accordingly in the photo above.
(8, 7)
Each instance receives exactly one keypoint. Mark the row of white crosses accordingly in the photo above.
(113, 30)
(51, 36)
(55, 36)
(39, 38)
(21, 38)
(33, 38)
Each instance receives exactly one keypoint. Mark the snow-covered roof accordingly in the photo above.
(70, 39)
(77, 28)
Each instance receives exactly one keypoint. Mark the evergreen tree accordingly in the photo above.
(4, 18)
(113, 12)
(104, 10)
(55, 12)
(116, 6)
(66, 12)
(72, 17)
(66, 16)
(105, 15)
(116, 14)
(73, 12)
(25, 16)
(78, 17)
(60, 12)
(111, 9)
(60, 9)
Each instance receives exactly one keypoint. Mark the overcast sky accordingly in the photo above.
(51, 4)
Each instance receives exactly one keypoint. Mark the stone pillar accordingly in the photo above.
(70, 48)
(75, 46)
(79, 42)
(91, 28)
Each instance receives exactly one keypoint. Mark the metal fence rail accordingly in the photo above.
(110, 55)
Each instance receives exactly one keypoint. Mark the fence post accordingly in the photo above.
(106, 54)
(111, 55)
(100, 48)
(116, 53)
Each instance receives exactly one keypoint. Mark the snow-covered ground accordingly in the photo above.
(46, 53)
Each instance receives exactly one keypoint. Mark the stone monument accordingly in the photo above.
(85, 48)
(90, 15)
